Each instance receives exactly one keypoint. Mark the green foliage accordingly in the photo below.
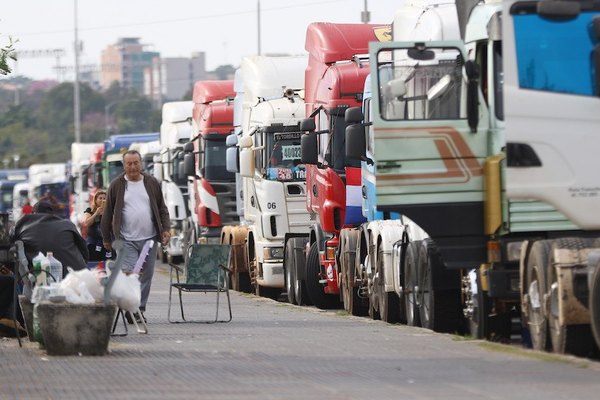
(40, 129)
(7, 53)
(134, 114)
(224, 72)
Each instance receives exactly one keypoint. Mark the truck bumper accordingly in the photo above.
(272, 275)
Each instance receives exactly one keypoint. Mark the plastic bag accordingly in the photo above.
(75, 287)
(127, 292)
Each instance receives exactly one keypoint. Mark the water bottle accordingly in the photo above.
(56, 267)
(39, 270)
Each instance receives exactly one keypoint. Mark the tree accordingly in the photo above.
(55, 113)
(134, 114)
(7, 53)
(225, 72)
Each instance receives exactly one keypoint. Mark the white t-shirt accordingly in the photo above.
(136, 221)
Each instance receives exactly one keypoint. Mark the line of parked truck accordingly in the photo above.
(415, 172)
(437, 171)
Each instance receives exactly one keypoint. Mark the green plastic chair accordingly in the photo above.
(205, 270)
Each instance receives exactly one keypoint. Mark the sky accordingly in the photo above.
(226, 30)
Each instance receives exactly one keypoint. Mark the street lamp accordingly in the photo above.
(106, 118)
(16, 159)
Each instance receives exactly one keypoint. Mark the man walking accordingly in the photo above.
(134, 212)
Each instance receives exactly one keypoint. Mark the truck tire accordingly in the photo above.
(595, 305)
(535, 280)
(388, 301)
(313, 275)
(478, 323)
(290, 271)
(353, 303)
(411, 263)
(568, 339)
(300, 263)
(439, 309)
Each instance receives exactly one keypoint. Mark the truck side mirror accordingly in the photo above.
(472, 71)
(189, 165)
(308, 125)
(309, 149)
(188, 147)
(353, 115)
(231, 140)
(232, 160)
(247, 167)
(356, 144)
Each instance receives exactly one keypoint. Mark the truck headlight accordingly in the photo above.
(273, 252)
(513, 251)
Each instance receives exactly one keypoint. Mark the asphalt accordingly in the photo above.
(273, 350)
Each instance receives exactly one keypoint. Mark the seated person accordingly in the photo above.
(7, 327)
(43, 231)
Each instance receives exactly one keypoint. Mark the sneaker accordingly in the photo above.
(139, 316)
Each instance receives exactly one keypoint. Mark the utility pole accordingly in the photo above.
(365, 16)
(76, 104)
(258, 24)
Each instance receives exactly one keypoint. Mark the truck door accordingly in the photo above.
(552, 109)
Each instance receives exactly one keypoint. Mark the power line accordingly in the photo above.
(202, 17)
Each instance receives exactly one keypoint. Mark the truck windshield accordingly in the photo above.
(213, 166)
(56, 194)
(283, 162)
(421, 84)
(6, 198)
(547, 48)
(114, 169)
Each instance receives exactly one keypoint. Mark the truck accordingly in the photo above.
(175, 131)
(148, 151)
(213, 195)
(50, 182)
(79, 196)
(443, 157)
(114, 147)
(274, 179)
(334, 80)
(8, 179)
(427, 177)
(550, 73)
(20, 197)
(375, 273)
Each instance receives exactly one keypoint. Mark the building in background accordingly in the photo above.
(170, 78)
(125, 63)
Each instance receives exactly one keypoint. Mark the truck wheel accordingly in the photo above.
(290, 271)
(300, 284)
(478, 323)
(595, 305)
(373, 296)
(388, 301)
(313, 275)
(571, 339)
(535, 318)
(439, 310)
(411, 262)
(353, 304)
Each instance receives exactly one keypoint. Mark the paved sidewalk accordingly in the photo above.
(277, 351)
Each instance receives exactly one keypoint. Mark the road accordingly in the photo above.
(274, 350)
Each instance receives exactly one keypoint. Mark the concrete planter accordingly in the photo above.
(71, 329)
(27, 311)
